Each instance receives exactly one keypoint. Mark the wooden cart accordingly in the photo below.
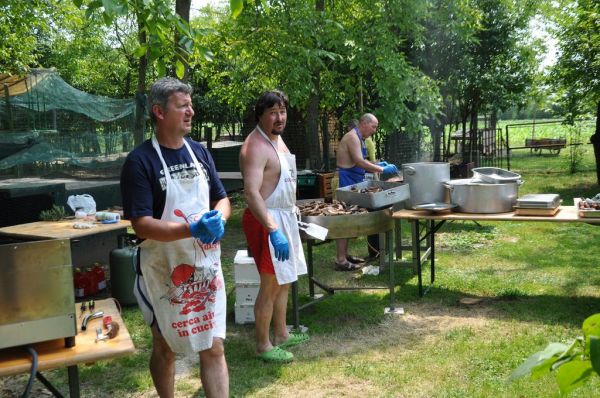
(553, 145)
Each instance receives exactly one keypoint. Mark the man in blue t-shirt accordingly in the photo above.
(177, 204)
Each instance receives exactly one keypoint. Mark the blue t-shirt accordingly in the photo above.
(143, 183)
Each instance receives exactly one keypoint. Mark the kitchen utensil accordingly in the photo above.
(426, 180)
(475, 196)
(536, 200)
(353, 225)
(435, 207)
(495, 175)
(391, 192)
(585, 213)
(314, 230)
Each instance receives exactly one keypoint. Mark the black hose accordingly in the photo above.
(33, 372)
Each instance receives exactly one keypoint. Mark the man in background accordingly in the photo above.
(270, 225)
(352, 164)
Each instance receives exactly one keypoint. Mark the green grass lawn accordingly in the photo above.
(537, 281)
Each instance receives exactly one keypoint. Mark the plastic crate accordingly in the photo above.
(307, 180)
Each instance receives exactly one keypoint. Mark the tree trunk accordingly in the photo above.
(140, 96)
(182, 8)
(312, 126)
(595, 139)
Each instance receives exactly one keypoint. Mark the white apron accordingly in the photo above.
(281, 205)
(182, 280)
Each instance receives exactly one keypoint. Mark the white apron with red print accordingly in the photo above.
(281, 205)
(183, 279)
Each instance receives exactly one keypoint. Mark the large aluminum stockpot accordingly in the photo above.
(476, 196)
(426, 181)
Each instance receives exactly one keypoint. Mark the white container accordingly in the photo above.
(245, 293)
(244, 269)
(244, 313)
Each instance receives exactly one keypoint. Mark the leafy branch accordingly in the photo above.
(573, 364)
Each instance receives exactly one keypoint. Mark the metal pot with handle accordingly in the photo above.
(476, 196)
(426, 181)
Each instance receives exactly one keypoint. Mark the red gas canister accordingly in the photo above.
(99, 277)
(81, 282)
(92, 282)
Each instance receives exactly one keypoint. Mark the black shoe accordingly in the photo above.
(355, 260)
(372, 258)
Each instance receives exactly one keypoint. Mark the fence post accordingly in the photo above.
(208, 137)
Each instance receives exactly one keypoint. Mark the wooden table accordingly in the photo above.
(53, 354)
(60, 229)
(88, 246)
(434, 221)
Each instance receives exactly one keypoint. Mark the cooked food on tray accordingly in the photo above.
(590, 203)
(317, 208)
(366, 190)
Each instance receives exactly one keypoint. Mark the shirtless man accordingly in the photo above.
(270, 224)
(352, 163)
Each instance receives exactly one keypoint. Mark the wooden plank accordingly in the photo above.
(565, 214)
(60, 229)
(53, 354)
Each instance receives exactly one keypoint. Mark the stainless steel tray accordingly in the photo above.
(392, 192)
(539, 200)
(435, 207)
(495, 175)
(583, 213)
(353, 225)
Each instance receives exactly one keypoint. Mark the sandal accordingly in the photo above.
(294, 339)
(348, 266)
(355, 260)
(276, 355)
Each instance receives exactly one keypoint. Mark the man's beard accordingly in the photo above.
(277, 132)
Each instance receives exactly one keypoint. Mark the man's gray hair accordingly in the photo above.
(162, 89)
(367, 117)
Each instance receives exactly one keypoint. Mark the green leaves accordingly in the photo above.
(572, 375)
(573, 365)
(540, 362)
(236, 7)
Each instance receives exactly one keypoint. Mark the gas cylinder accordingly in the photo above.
(81, 282)
(123, 262)
(99, 277)
(92, 281)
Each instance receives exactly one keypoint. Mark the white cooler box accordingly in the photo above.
(244, 269)
(244, 313)
(245, 293)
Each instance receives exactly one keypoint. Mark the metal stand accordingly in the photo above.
(330, 290)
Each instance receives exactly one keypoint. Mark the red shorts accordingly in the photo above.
(257, 237)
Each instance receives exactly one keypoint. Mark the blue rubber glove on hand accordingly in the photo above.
(209, 228)
(214, 224)
(280, 244)
(390, 169)
(383, 163)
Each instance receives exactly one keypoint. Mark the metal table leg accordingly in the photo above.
(392, 309)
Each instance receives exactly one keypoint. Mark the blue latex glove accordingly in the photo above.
(214, 224)
(209, 228)
(280, 244)
(390, 169)
(383, 163)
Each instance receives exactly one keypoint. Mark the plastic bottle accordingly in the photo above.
(81, 283)
(99, 277)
